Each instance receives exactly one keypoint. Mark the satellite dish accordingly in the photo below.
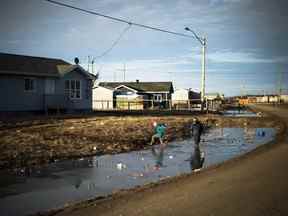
(76, 60)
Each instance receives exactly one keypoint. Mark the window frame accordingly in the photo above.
(33, 85)
(72, 93)
(157, 97)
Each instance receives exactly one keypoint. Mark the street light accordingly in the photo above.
(203, 43)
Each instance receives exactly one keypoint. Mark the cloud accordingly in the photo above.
(244, 58)
(217, 2)
(240, 57)
(241, 34)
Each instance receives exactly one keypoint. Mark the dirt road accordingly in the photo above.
(256, 184)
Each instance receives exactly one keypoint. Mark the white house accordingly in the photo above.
(267, 99)
(184, 98)
(132, 95)
(214, 101)
(284, 98)
(180, 95)
(102, 98)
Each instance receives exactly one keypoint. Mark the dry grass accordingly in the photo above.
(41, 141)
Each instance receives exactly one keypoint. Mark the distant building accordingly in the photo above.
(103, 98)
(243, 101)
(252, 99)
(132, 95)
(267, 98)
(214, 96)
(214, 101)
(284, 98)
(37, 84)
(185, 98)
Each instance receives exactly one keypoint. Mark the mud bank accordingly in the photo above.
(38, 142)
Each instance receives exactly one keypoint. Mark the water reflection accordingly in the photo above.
(158, 156)
(239, 113)
(75, 180)
(197, 158)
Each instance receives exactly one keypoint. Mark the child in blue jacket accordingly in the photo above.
(160, 130)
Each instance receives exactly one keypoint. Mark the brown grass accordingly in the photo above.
(38, 142)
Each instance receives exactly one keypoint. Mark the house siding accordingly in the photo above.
(180, 95)
(14, 97)
(85, 102)
(102, 98)
(284, 98)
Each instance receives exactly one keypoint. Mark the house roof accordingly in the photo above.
(141, 86)
(65, 69)
(11, 64)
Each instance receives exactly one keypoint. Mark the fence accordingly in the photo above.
(190, 105)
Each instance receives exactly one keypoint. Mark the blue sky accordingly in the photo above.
(247, 40)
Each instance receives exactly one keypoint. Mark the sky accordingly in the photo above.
(246, 40)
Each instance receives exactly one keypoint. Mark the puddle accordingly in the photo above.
(77, 180)
(240, 113)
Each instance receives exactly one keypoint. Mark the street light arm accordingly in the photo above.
(196, 36)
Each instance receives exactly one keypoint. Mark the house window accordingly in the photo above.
(73, 89)
(29, 84)
(158, 97)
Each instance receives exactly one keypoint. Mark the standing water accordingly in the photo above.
(239, 113)
(72, 181)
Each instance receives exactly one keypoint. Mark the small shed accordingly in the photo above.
(102, 98)
(214, 101)
(185, 98)
(284, 98)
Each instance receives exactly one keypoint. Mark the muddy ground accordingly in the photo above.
(253, 184)
(37, 142)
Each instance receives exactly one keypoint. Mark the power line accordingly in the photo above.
(114, 44)
(118, 19)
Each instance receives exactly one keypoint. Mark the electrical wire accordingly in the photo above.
(118, 19)
(113, 44)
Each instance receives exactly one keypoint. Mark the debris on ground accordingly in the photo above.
(43, 141)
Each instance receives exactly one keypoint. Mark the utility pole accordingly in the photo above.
(88, 63)
(124, 71)
(114, 76)
(203, 71)
(92, 65)
(203, 42)
(243, 90)
(280, 82)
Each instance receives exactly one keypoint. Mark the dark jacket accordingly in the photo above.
(197, 130)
